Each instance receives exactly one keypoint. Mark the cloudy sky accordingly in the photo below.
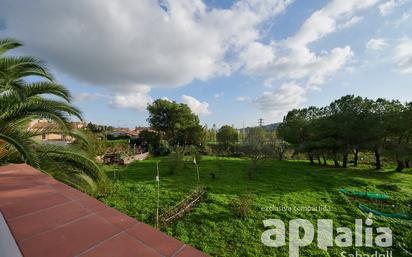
(232, 62)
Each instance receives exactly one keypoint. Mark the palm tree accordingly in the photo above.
(22, 101)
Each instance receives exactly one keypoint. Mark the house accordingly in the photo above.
(127, 133)
(50, 130)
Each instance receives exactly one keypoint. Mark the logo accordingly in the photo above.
(363, 235)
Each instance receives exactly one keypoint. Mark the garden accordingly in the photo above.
(228, 219)
(213, 188)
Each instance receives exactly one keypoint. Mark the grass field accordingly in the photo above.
(214, 228)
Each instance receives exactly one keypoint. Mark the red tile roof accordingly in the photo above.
(49, 218)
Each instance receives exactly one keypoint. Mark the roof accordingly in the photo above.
(43, 126)
(49, 218)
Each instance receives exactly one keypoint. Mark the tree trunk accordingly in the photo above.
(401, 165)
(345, 160)
(407, 164)
(335, 159)
(252, 169)
(319, 161)
(355, 158)
(281, 155)
(336, 162)
(311, 159)
(324, 160)
(377, 160)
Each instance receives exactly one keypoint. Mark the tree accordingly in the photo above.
(151, 141)
(227, 136)
(257, 147)
(23, 100)
(349, 125)
(299, 130)
(346, 115)
(175, 122)
(280, 146)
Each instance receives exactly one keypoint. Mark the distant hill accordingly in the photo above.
(268, 127)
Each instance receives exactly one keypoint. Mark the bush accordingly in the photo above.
(241, 207)
(174, 160)
(163, 148)
(121, 143)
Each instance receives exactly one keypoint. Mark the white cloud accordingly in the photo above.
(403, 56)
(293, 59)
(195, 105)
(117, 44)
(218, 95)
(242, 98)
(376, 44)
(354, 20)
(85, 96)
(288, 96)
(256, 56)
(405, 17)
(166, 98)
(387, 7)
(325, 20)
(138, 99)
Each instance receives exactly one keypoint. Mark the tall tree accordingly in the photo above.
(176, 122)
(227, 136)
(257, 147)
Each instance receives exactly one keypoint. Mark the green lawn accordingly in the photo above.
(213, 227)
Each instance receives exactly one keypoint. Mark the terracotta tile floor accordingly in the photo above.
(49, 218)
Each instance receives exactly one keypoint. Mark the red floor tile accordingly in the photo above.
(188, 251)
(91, 204)
(117, 218)
(73, 194)
(160, 241)
(16, 192)
(70, 239)
(48, 218)
(121, 246)
(33, 224)
(31, 204)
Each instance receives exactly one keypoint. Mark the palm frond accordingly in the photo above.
(71, 157)
(21, 141)
(8, 44)
(46, 87)
(15, 67)
(57, 111)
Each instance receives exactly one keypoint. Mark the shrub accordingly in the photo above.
(241, 207)
(174, 160)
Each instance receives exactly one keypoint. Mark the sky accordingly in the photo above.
(231, 62)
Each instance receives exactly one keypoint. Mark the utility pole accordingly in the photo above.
(260, 122)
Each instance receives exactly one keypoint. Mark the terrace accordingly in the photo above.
(43, 217)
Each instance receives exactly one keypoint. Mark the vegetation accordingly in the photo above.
(228, 220)
(22, 101)
(175, 123)
(227, 136)
(151, 141)
(351, 125)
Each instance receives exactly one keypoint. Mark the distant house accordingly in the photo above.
(140, 129)
(126, 132)
(49, 130)
(118, 133)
